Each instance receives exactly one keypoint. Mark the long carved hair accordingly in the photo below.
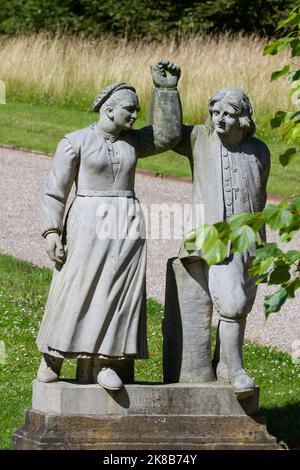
(238, 99)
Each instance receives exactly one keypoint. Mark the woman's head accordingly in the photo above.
(229, 108)
(119, 103)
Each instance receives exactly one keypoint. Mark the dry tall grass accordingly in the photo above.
(73, 70)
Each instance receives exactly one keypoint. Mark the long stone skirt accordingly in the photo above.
(97, 299)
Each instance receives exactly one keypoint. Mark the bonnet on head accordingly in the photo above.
(107, 92)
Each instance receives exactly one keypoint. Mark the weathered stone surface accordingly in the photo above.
(210, 399)
(141, 416)
(141, 432)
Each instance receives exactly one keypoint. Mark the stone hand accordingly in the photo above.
(165, 74)
(54, 248)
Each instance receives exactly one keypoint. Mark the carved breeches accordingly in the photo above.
(228, 285)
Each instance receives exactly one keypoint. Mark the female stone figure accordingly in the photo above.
(96, 308)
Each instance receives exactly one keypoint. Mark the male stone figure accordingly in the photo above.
(230, 169)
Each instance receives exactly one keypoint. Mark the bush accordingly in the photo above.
(138, 18)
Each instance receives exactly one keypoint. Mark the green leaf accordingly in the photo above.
(191, 235)
(292, 20)
(276, 216)
(292, 255)
(256, 221)
(271, 48)
(287, 236)
(295, 204)
(292, 116)
(295, 45)
(296, 132)
(281, 24)
(242, 238)
(283, 204)
(271, 212)
(204, 237)
(280, 73)
(277, 120)
(292, 286)
(286, 157)
(224, 231)
(283, 220)
(215, 252)
(274, 302)
(261, 267)
(293, 76)
(280, 274)
(195, 239)
(237, 220)
(209, 237)
(268, 250)
(277, 45)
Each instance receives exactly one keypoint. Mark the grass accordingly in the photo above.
(72, 70)
(60, 76)
(39, 126)
(23, 293)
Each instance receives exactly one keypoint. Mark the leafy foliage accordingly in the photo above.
(137, 18)
(271, 264)
(289, 122)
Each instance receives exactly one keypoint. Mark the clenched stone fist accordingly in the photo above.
(165, 74)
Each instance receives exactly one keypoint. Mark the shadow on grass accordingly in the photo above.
(284, 423)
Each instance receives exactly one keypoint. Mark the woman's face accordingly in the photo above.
(225, 118)
(125, 110)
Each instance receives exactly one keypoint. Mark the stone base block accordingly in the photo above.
(67, 415)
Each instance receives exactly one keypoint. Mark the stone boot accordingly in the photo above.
(220, 366)
(84, 371)
(231, 342)
(109, 379)
(49, 369)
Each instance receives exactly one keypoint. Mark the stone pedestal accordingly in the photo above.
(67, 415)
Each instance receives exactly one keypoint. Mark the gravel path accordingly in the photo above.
(22, 175)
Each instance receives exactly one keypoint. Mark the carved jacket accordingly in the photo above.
(215, 195)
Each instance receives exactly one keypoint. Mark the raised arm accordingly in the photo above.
(165, 132)
(54, 197)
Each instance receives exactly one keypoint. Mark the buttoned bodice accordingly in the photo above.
(104, 163)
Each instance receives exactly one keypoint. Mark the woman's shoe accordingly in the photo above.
(109, 379)
(49, 369)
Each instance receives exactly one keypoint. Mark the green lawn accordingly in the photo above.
(40, 126)
(23, 291)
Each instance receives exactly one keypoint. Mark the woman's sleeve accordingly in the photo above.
(165, 132)
(57, 187)
(186, 145)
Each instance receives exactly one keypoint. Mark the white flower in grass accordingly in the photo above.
(296, 352)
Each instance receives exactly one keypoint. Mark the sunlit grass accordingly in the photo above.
(23, 291)
(72, 70)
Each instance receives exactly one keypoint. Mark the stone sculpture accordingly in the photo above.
(96, 309)
(230, 171)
